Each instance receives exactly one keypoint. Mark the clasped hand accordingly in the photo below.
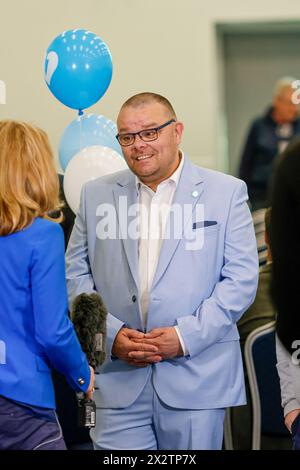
(141, 349)
(90, 390)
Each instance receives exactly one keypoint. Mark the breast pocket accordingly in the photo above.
(208, 237)
(202, 239)
(205, 224)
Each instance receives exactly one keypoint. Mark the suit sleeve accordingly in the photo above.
(53, 329)
(236, 289)
(285, 367)
(79, 275)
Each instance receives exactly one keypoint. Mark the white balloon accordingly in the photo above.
(89, 164)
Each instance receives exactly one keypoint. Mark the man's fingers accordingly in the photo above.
(153, 334)
(144, 347)
(146, 340)
(143, 356)
(89, 395)
(134, 334)
(143, 362)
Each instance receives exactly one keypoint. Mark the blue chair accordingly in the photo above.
(260, 359)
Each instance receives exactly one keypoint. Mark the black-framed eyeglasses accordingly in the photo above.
(147, 135)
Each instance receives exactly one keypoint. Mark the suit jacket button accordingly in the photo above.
(133, 298)
(80, 381)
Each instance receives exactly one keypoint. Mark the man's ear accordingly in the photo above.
(179, 128)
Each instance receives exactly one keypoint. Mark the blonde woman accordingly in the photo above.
(35, 332)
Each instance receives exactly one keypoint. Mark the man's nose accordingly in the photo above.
(139, 142)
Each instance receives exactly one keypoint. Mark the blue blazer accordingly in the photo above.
(203, 291)
(35, 331)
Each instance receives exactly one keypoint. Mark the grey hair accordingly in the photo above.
(282, 84)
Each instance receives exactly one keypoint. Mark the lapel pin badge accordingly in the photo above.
(195, 193)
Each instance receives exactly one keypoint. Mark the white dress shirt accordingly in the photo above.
(154, 210)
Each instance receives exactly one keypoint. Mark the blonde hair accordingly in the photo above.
(29, 185)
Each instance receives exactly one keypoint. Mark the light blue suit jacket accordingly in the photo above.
(203, 291)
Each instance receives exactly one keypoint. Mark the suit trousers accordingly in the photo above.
(150, 424)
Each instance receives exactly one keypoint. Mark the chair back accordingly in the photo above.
(260, 358)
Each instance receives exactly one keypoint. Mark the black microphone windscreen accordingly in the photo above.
(89, 318)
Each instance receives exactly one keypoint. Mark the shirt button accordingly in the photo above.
(81, 381)
(133, 298)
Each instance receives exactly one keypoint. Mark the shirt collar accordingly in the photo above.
(174, 177)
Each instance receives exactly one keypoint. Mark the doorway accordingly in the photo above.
(254, 57)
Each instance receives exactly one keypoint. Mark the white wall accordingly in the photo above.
(167, 46)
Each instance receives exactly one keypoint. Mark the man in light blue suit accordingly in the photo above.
(171, 248)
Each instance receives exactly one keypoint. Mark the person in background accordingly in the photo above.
(289, 376)
(258, 218)
(285, 246)
(69, 216)
(268, 136)
(35, 331)
(260, 312)
(173, 356)
(67, 221)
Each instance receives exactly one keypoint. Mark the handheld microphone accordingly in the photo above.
(89, 318)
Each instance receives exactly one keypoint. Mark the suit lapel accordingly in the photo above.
(126, 195)
(188, 193)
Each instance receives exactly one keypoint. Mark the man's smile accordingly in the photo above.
(143, 157)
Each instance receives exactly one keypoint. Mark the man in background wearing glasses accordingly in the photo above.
(173, 357)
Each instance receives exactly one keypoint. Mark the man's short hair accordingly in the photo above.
(145, 98)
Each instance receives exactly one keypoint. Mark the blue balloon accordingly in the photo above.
(85, 131)
(78, 68)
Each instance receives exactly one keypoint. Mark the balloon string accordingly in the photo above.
(80, 114)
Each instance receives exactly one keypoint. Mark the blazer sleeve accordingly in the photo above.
(235, 291)
(285, 370)
(53, 329)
